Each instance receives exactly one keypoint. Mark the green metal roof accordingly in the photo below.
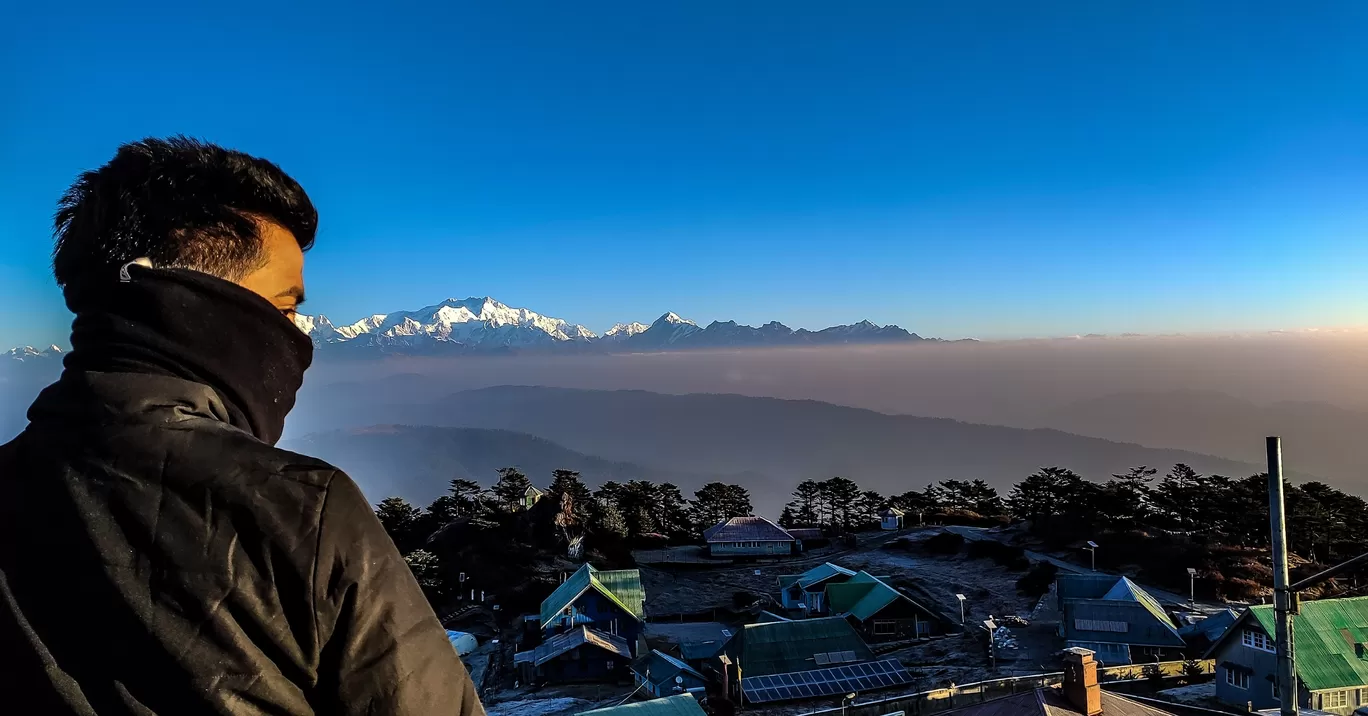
(697, 650)
(681, 705)
(622, 587)
(1325, 634)
(786, 647)
(864, 595)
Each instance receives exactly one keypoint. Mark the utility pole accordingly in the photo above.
(1286, 674)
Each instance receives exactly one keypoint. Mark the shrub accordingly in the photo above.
(1003, 554)
(944, 543)
(1037, 581)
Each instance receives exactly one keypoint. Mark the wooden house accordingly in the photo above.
(882, 613)
(610, 602)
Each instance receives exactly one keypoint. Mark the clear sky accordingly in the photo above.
(987, 169)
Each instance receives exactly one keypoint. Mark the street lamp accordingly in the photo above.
(1092, 550)
(961, 599)
(846, 700)
(1192, 585)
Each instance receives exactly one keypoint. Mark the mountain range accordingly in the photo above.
(774, 442)
(486, 325)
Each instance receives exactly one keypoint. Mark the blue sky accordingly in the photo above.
(988, 169)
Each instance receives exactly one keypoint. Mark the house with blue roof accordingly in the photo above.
(807, 591)
(1115, 618)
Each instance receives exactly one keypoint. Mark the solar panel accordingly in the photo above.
(825, 682)
(848, 656)
(822, 659)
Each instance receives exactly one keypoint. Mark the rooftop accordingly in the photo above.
(746, 529)
(575, 638)
(864, 595)
(1331, 635)
(681, 705)
(786, 647)
(820, 573)
(658, 668)
(1113, 610)
(622, 587)
(1051, 702)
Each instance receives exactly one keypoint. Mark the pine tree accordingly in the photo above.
(511, 488)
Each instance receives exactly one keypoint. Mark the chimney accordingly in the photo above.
(1080, 681)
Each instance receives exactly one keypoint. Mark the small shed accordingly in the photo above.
(531, 495)
(663, 675)
(891, 518)
(463, 643)
(582, 654)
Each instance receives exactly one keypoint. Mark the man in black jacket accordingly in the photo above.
(158, 555)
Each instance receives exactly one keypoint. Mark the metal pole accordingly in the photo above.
(1282, 596)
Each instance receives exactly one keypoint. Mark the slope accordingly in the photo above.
(417, 463)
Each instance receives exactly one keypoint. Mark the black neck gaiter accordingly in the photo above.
(193, 326)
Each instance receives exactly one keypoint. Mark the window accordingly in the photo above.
(611, 664)
(885, 626)
(1255, 639)
(1334, 699)
(1238, 679)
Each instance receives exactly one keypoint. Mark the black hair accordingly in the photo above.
(180, 202)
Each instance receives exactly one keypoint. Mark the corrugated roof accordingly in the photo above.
(864, 595)
(662, 668)
(698, 650)
(785, 647)
(820, 573)
(622, 586)
(1108, 598)
(806, 532)
(746, 529)
(1084, 586)
(562, 643)
(771, 617)
(681, 705)
(1052, 702)
(1326, 632)
(1142, 628)
(1212, 627)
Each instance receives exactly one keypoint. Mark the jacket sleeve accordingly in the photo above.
(382, 649)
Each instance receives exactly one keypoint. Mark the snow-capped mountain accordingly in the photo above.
(29, 353)
(459, 324)
(484, 325)
(623, 331)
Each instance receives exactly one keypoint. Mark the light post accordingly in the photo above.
(961, 599)
(1092, 550)
(845, 700)
(1192, 585)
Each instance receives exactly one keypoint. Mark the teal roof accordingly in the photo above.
(820, 573)
(681, 705)
(662, 668)
(786, 647)
(1327, 635)
(622, 587)
(864, 595)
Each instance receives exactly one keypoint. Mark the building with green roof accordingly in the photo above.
(611, 602)
(1115, 618)
(880, 612)
(682, 705)
(1329, 639)
(769, 648)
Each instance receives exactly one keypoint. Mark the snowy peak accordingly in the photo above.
(483, 324)
(29, 353)
(623, 331)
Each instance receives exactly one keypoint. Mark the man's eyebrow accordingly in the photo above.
(296, 292)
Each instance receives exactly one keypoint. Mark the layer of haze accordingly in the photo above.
(1215, 395)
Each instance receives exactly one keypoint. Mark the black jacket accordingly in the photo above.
(155, 560)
